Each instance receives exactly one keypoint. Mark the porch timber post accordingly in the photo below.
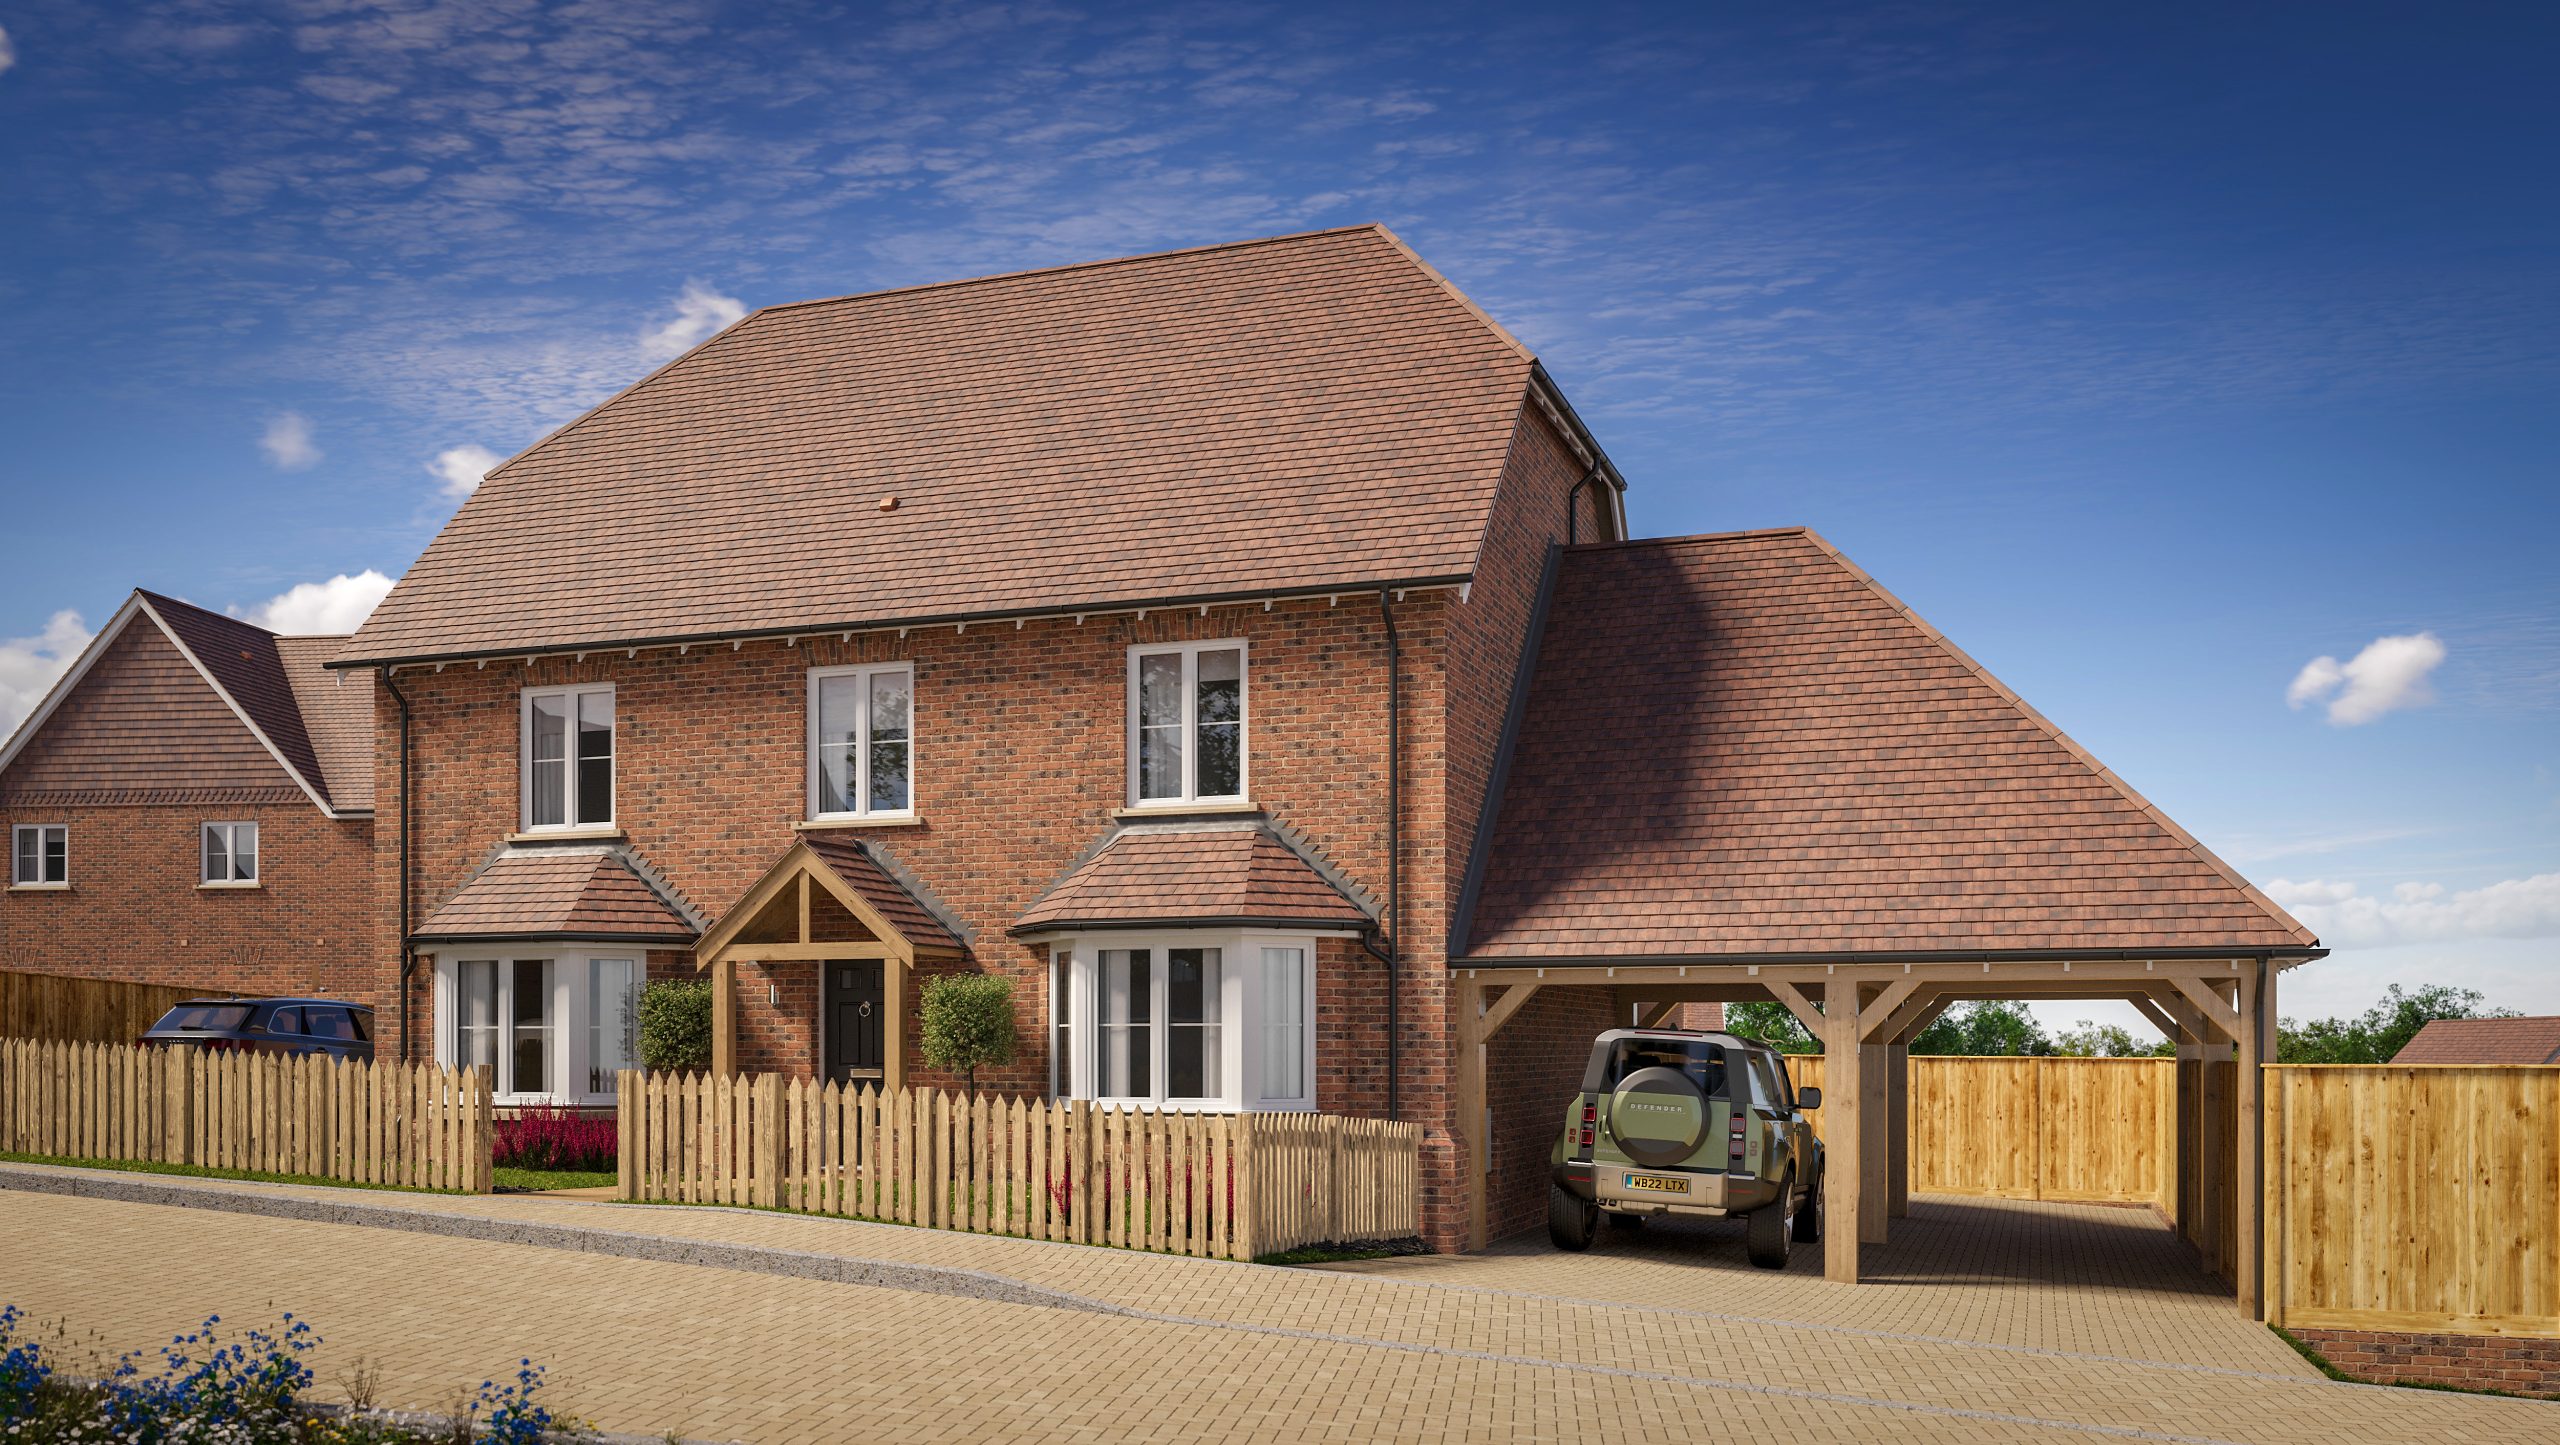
(893, 1039)
(2255, 1037)
(1897, 1130)
(724, 1018)
(1842, 1098)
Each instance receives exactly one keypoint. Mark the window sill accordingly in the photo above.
(872, 820)
(607, 833)
(1185, 810)
(239, 887)
(39, 887)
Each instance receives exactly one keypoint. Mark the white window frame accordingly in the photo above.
(1239, 1067)
(570, 1013)
(862, 748)
(231, 855)
(1190, 652)
(569, 758)
(40, 830)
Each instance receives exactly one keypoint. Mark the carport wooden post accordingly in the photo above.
(1843, 1096)
(1897, 1130)
(2257, 1048)
(1875, 1142)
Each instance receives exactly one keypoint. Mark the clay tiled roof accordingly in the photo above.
(245, 663)
(1742, 745)
(2484, 1041)
(337, 716)
(853, 861)
(1193, 875)
(1312, 411)
(560, 892)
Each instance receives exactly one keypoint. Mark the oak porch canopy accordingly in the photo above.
(826, 898)
(1743, 770)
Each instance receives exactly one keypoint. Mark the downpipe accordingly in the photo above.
(408, 954)
(1384, 948)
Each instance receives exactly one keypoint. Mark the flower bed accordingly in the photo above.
(555, 1140)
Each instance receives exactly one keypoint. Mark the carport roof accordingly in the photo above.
(1741, 746)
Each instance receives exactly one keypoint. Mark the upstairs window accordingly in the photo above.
(861, 741)
(568, 757)
(230, 853)
(40, 856)
(1187, 723)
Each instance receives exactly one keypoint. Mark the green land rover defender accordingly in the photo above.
(1671, 1122)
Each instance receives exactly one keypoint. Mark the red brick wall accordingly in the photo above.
(134, 912)
(2473, 1362)
(1538, 1060)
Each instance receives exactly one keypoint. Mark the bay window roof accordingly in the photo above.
(1244, 872)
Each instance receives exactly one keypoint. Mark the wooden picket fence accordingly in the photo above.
(2089, 1130)
(1224, 1186)
(411, 1125)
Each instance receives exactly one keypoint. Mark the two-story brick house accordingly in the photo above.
(1158, 634)
(191, 804)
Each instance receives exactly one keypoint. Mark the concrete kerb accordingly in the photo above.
(575, 1239)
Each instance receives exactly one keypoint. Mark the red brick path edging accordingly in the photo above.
(2470, 1362)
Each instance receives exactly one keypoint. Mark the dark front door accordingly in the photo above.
(855, 1012)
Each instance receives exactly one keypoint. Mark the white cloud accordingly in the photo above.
(2423, 912)
(2390, 674)
(338, 605)
(28, 665)
(700, 311)
(8, 51)
(462, 468)
(288, 441)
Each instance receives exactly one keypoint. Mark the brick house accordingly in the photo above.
(192, 805)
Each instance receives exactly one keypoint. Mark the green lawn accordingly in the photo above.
(514, 1180)
(199, 1171)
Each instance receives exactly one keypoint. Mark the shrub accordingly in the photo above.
(548, 1138)
(968, 1021)
(675, 1024)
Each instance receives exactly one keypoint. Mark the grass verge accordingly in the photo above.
(199, 1171)
(519, 1181)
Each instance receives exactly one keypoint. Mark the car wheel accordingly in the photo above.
(1571, 1220)
(1809, 1218)
(1765, 1232)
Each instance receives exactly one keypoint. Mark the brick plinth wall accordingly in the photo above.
(2471, 1362)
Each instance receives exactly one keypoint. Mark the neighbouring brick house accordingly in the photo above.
(192, 805)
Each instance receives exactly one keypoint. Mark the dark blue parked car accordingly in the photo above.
(269, 1026)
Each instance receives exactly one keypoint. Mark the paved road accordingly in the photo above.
(1663, 1339)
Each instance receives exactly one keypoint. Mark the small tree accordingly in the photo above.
(675, 1024)
(968, 1021)
(1771, 1023)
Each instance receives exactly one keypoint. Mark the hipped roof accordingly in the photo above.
(553, 891)
(1317, 411)
(1741, 745)
(1169, 875)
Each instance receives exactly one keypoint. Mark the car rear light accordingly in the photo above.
(1586, 1138)
(1736, 1151)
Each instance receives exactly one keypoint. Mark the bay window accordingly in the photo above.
(1192, 1020)
(568, 757)
(1187, 723)
(551, 1027)
(861, 741)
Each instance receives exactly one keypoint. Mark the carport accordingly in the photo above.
(2220, 1010)
(1743, 771)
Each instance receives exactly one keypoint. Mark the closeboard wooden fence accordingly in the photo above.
(85, 1010)
(412, 1125)
(2088, 1130)
(1226, 1186)
(2414, 1197)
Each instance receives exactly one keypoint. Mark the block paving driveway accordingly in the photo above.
(1989, 1321)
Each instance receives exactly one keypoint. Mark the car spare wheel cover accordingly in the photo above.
(1658, 1116)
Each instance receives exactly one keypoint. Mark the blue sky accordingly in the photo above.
(2153, 352)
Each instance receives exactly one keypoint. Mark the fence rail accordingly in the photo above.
(1225, 1186)
(412, 1125)
(2090, 1130)
(63, 1008)
(2414, 1198)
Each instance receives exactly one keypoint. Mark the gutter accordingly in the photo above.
(946, 619)
(2287, 956)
